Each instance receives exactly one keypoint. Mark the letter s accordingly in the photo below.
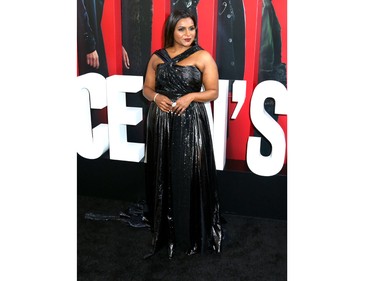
(272, 164)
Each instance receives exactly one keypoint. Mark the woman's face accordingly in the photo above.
(184, 32)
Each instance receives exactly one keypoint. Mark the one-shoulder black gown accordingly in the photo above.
(181, 181)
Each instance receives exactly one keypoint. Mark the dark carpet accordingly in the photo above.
(112, 250)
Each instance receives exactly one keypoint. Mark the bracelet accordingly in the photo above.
(155, 96)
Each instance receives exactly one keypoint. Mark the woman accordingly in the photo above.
(182, 190)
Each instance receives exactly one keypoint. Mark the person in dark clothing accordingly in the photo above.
(91, 53)
(270, 64)
(90, 43)
(136, 18)
(230, 39)
(182, 191)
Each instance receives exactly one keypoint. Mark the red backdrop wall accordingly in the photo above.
(240, 128)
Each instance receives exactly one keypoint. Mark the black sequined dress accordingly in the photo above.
(181, 176)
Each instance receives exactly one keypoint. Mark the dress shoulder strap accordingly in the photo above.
(162, 53)
(187, 53)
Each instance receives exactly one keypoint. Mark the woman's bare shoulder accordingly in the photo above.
(203, 59)
(203, 54)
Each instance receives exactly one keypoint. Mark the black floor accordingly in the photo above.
(253, 249)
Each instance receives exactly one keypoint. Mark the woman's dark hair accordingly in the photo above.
(171, 23)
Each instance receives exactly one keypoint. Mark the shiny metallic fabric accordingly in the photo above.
(181, 190)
